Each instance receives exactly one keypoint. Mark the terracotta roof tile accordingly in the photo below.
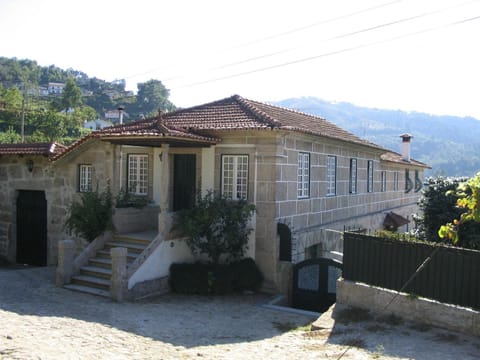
(241, 114)
(397, 158)
(45, 149)
(200, 123)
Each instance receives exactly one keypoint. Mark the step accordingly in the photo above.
(101, 262)
(131, 247)
(130, 239)
(91, 281)
(88, 290)
(105, 254)
(96, 271)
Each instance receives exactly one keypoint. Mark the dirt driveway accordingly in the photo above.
(40, 321)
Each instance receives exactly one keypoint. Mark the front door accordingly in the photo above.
(184, 179)
(31, 228)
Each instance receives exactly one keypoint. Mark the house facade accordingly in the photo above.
(308, 179)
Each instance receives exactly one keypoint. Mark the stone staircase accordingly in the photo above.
(95, 277)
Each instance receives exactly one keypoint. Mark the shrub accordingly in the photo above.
(208, 278)
(218, 226)
(126, 199)
(91, 216)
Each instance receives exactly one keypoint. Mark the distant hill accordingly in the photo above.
(449, 144)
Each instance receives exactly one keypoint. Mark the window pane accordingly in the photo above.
(138, 174)
(235, 176)
(85, 178)
(331, 175)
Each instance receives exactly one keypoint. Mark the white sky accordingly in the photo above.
(426, 59)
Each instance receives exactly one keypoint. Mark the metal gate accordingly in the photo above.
(314, 284)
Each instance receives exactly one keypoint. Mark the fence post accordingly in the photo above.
(64, 272)
(118, 287)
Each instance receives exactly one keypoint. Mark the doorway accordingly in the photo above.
(31, 228)
(184, 179)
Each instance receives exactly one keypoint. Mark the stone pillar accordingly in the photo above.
(118, 287)
(164, 223)
(64, 273)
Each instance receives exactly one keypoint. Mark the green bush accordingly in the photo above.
(126, 199)
(218, 226)
(208, 278)
(91, 216)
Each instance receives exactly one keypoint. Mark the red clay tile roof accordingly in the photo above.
(397, 158)
(237, 113)
(199, 124)
(45, 149)
(146, 132)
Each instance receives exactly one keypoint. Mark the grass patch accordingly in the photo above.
(391, 319)
(421, 327)
(354, 342)
(353, 315)
(447, 337)
(375, 328)
(289, 326)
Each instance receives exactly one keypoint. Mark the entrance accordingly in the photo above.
(314, 284)
(184, 179)
(31, 228)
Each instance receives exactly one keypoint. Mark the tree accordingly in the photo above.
(71, 96)
(153, 96)
(52, 126)
(10, 137)
(464, 230)
(437, 205)
(218, 226)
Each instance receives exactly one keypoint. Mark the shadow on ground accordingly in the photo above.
(187, 321)
(389, 335)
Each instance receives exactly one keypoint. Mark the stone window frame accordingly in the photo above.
(137, 174)
(85, 178)
(234, 176)
(396, 176)
(331, 175)
(303, 175)
(353, 176)
(383, 176)
(370, 176)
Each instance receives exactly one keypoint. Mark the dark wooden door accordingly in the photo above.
(32, 228)
(314, 284)
(184, 179)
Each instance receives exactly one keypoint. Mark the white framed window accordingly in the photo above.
(395, 181)
(353, 176)
(384, 181)
(303, 175)
(235, 176)
(370, 176)
(137, 174)
(331, 175)
(85, 174)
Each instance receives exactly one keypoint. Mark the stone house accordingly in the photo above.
(308, 178)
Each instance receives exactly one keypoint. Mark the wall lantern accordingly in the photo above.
(29, 164)
(160, 156)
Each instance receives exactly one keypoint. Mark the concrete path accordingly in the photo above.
(40, 321)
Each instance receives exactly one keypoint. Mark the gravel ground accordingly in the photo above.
(40, 321)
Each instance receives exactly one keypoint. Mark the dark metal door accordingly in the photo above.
(184, 179)
(31, 228)
(314, 284)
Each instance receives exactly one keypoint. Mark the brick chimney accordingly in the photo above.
(406, 146)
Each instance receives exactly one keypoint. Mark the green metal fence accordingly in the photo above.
(451, 275)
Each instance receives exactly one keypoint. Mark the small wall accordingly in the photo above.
(157, 265)
(417, 309)
(130, 220)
